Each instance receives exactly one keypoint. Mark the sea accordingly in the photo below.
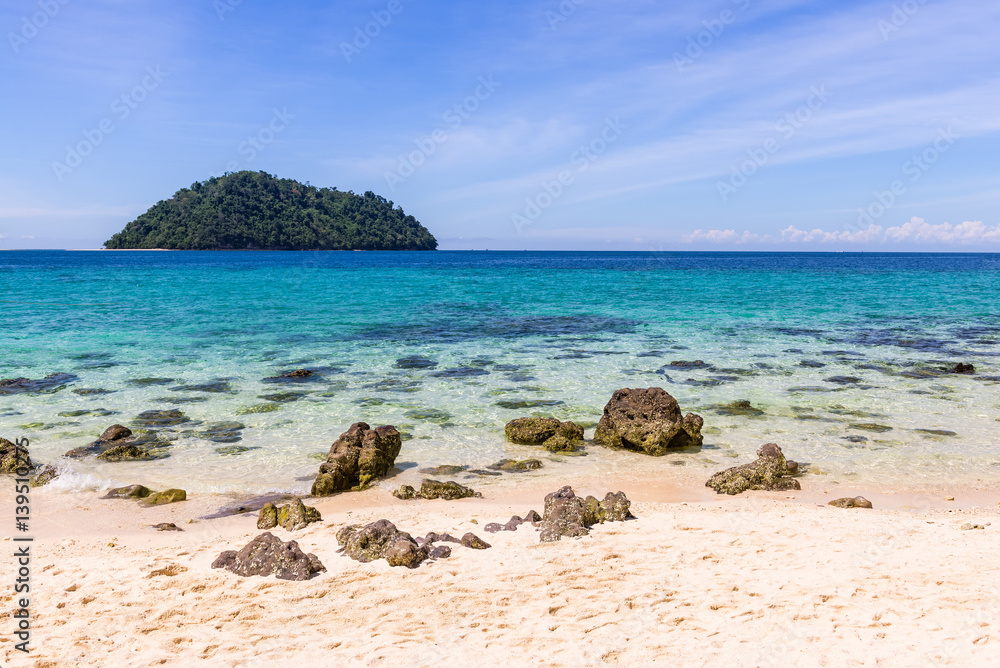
(843, 359)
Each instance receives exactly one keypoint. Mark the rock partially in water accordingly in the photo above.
(167, 526)
(127, 452)
(848, 502)
(405, 493)
(13, 457)
(268, 555)
(647, 420)
(360, 456)
(165, 497)
(515, 466)
(474, 542)
(129, 492)
(415, 362)
(50, 383)
(554, 435)
(444, 469)
(769, 472)
(374, 540)
(963, 368)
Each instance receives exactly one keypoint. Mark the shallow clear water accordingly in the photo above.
(780, 330)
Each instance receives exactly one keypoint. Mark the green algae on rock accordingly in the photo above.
(647, 420)
(358, 457)
(769, 472)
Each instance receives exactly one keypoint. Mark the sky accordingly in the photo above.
(573, 124)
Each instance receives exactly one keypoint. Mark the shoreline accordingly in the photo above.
(756, 579)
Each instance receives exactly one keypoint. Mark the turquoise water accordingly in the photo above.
(819, 343)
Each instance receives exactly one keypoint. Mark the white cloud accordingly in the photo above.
(915, 230)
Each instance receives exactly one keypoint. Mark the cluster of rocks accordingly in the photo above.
(146, 496)
(359, 456)
(769, 472)
(291, 516)
(566, 514)
(119, 444)
(434, 489)
(382, 540)
(13, 457)
(268, 555)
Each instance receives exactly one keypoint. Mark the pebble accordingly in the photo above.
(949, 498)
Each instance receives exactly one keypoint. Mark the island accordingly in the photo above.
(250, 210)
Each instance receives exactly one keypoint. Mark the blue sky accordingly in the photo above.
(582, 124)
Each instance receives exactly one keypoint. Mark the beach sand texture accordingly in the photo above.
(756, 580)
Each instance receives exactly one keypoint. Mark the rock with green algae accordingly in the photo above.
(377, 540)
(405, 492)
(770, 472)
(128, 452)
(268, 555)
(129, 492)
(165, 497)
(444, 469)
(515, 466)
(474, 542)
(434, 489)
(358, 457)
(647, 420)
(291, 516)
(551, 433)
(566, 514)
(47, 474)
(13, 457)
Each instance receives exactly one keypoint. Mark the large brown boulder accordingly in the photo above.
(647, 420)
(770, 472)
(358, 457)
(551, 433)
(268, 555)
(566, 514)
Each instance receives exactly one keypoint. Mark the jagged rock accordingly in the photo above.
(51, 383)
(374, 540)
(47, 474)
(963, 368)
(405, 492)
(433, 489)
(444, 469)
(129, 492)
(167, 526)
(267, 518)
(741, 407)
(647, 420)
(115, 432)
(769, 472)
(848, 502)
(165, 497)
(405, 553)
(358, 457)
(13, 457)
(566, 514)
(554, 435)
(514, 466)
(128, 452)
(473, 541)
(298, 373)
(269, 555)
(439, 552)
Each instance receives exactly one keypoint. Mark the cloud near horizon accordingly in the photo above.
(916, 230)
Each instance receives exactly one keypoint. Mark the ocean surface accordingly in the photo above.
(841, 356)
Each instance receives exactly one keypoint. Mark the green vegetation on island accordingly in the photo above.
(256, 211)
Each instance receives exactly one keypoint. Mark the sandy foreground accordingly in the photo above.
(764, 579)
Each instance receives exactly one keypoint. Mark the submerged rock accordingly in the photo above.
(129, 492)
(473, 541)
(553, 434)
(115, 432)
(963, 368)
(13, 457)
(647, 420)
(50, 383)
(372, 541)
(444, 469)
(47, 474)
(358, 457)
(167, 526)
(127, 452)
(769, 472)
(848, 502)
(268, 555)
(566, 514)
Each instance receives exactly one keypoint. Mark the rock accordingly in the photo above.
(444, 469)
(441, 538)
(963, 368)
(267, 518)
(129, 492)
(475, 542)
(165, 497)
(405, 553)
(512, 524)
(115, 432)
(681, 364)
(433, 489)
(848, 502)
(298, 373)
(513, 466)
(13, 457)
(615, 508)
(167, 526)
(647, 420)
(405, 492)
(439, 552)
(769, 472)
(566, 514)
(373, 541)
(51, 383)
(793, 467)
(968, 526)
(554, 435)
(128, 452)
(268, 555)
(47, 474)
(742, 407)
(358, 457)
